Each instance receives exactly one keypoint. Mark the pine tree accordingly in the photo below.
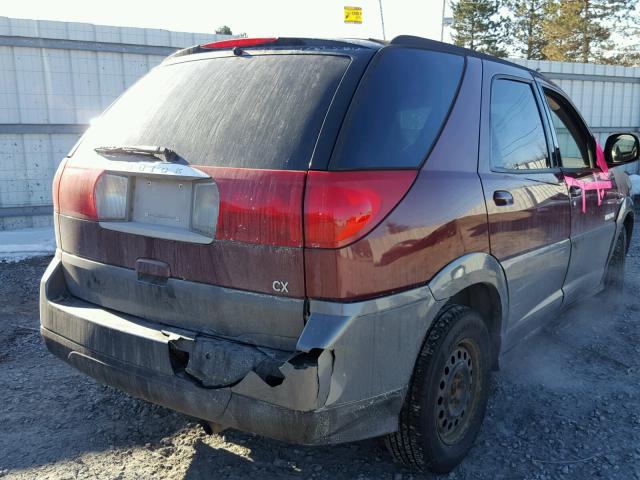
(628, 52)
(477, 25)
(224, 30)
(579, 30)
(528, 18)
(627, 56)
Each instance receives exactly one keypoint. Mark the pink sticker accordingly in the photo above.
(600, 183)
(600, 161)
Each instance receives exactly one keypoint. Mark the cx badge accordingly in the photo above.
(280, 287)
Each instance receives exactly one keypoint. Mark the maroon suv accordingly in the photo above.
(322, 241)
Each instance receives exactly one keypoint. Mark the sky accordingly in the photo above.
(322, 18)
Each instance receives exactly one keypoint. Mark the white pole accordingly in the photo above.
(384, 37)
(444, 2)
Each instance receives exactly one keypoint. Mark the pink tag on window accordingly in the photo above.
(600, 161)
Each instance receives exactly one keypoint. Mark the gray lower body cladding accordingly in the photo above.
(345, 380)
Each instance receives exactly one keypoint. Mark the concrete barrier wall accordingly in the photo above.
(56, 76)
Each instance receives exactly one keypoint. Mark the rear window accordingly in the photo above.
(398, 110)
(250, 111)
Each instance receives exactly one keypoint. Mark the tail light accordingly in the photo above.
(55, 189)
(266, 206)
(341, 207)
(77, 192)
(259, 206)
(91, 194)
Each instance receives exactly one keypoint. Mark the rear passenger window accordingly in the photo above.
(517, 135)
(398, 110)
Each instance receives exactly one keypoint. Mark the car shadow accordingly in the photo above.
(208, 462)
(265, 458)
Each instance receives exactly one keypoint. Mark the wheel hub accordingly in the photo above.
(459, 391)
(454, 394)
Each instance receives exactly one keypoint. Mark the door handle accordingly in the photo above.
(575, 191)
(502, 198)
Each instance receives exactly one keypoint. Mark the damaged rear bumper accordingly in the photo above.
(334, 388)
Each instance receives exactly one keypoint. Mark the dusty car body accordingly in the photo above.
(282, 279)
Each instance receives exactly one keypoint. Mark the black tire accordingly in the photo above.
(424, 440)
(614, 276)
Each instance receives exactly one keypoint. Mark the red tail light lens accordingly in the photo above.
(239, 42)
(77, 192)
(341, 207)
(259, 206)
(55, 189)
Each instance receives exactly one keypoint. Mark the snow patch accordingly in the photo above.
(16, 245)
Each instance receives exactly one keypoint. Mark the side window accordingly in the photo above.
(573, 138)
(517, 135)
(398, 109)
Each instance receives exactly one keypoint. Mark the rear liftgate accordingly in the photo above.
(199, 205)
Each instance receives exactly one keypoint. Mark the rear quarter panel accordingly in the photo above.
(441, 218)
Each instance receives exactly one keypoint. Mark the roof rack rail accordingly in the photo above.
(419, 42)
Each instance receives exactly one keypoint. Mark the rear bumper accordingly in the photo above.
(346, 380)
(221, 405)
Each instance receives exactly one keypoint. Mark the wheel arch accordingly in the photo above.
(477, 280)
(628, 222)
(625, 219)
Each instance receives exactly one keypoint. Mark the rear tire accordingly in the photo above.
(447, 397)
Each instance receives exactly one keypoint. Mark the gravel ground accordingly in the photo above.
(566, 404)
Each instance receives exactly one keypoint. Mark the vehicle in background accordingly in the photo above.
(322, 241)
(634, 178)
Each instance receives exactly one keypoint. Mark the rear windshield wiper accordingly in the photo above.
(161, 153)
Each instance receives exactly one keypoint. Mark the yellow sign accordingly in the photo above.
(353, 15)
